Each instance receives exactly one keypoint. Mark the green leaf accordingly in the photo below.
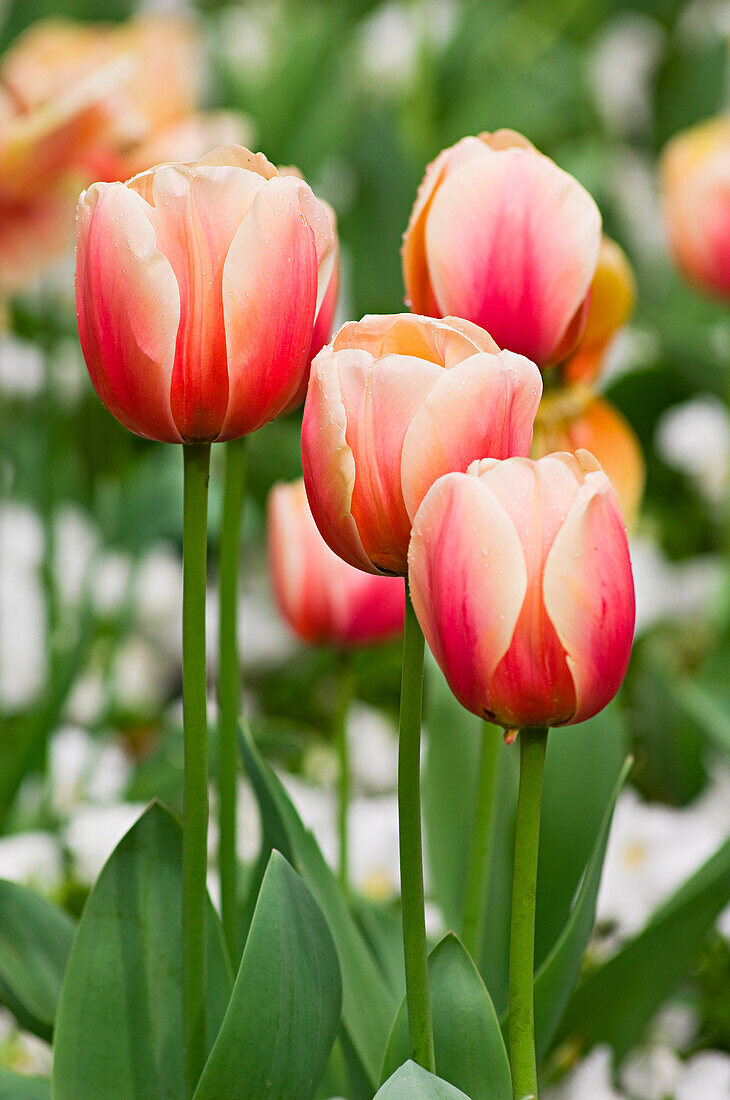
(368, 1003)
(35, 940)
(15, 1086)
(411, 1082)
(556, 978)
(119, 1026)
(284, 1012)
(382, 928)
(616, 1001)
(581, 769)
(469, 1047)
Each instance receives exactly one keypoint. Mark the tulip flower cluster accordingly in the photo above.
(204, 289)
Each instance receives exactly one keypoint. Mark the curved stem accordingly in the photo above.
(229, 674)
(418, 995)
(482, 840)
(343, 752)
(195, 788)
(533, 743)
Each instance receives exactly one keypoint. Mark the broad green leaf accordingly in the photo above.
(616, 1001)
(411, 1082)
(556, 978)
(15, 1086)
(284, 1011)
(35, 940)
(382, 927)
(469, 1047)
(581, 768)
(119, 1026)
(368, 1003)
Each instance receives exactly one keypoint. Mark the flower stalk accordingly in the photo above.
(533, 743)
(195, 787)
(418, 997)
(229, 687)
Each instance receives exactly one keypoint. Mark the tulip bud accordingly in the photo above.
(393, 403)
(197, 289)
(574, 420)
(323, 599)
(613, 292)
(696, 199)
(521, 580)
(502, 236)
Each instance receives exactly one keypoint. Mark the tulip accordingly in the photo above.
(322, 598)
(612, 297)
(503, 237)
(521, 579)
(695, 173)
(393, 403)
(197, 288)
(577, 420)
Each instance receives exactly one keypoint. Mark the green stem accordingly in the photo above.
(482, 842)
(533, 743)
(195, 787)
(229, 673)
(418, 995)
(344, 778)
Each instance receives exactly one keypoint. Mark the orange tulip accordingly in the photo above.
(613, 293)
(577, 420)
(394, 402)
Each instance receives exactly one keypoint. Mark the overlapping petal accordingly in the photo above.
(484, 406)
(589, 595)
(270, 288)
(128, 308)
(468, 582)
(512, 244)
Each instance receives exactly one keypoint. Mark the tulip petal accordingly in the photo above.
(196, 213)
(327, 461)
(588, 593)
(483, 408)
(419, 294)
(128, 308)
(270, 288)
(532, 684)
(512, 243)
(468, 582)
(380, 402)
(445, 342)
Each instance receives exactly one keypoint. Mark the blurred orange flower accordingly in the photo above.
(86, 102)
(576, 419)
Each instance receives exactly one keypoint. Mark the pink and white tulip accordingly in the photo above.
(696, 199)
(393, 403)
(197, 290)
(521, 579)
(502, 236)
(322, 598)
